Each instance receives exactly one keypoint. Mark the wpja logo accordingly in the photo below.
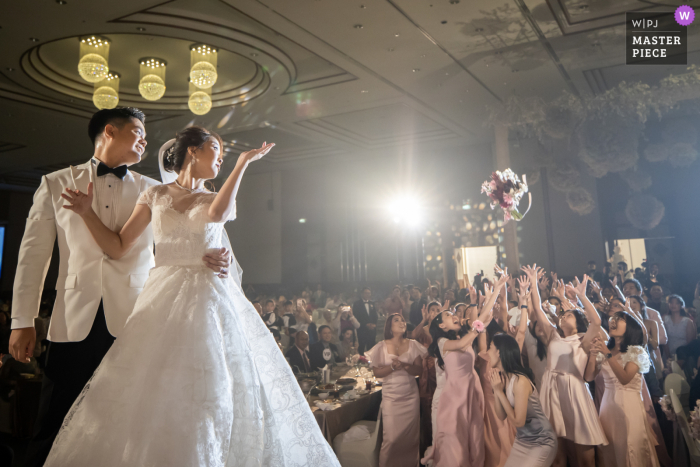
(658, 38)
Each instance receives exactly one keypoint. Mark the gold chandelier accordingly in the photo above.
(152, 74)
(203, 59)
(106, 93)
(94, 58)
(200, 100)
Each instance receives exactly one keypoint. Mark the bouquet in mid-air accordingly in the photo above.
(506, 190)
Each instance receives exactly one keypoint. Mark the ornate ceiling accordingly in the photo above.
(324, 79)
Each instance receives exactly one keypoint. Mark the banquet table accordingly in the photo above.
(340, 419)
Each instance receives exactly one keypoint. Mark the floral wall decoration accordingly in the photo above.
(644, 211)
(605, 133)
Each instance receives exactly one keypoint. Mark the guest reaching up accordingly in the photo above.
(565, 398)
(460, 418)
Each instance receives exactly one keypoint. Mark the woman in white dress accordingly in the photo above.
(195, 378)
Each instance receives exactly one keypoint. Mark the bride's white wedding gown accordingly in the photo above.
(195, 378)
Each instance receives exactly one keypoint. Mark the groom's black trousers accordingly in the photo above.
(69, 366)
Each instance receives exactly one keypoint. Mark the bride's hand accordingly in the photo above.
(80, 203)
(257, 154)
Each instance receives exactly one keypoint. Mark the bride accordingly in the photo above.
(195, 378)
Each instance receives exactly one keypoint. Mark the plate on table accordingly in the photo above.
(345, 381)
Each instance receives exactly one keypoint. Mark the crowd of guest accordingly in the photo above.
(524, 369)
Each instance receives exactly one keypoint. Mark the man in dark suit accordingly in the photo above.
(298, 356)
(366, 313)
(416, 314)
(323, 352)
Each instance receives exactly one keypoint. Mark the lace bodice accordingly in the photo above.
(182, 229)
(635, 354)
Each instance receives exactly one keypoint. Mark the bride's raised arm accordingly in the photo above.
(114, 244)
(225, 201)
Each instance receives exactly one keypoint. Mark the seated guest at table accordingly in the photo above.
(398, 360)
(297, 355)
(348, 344)
(290, 321)
(324, 352)
(271, 316)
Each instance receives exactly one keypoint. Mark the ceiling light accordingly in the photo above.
(61, 2)
(9, 68)
(106, 94)
(203, 60)
(152, 78)
(200, 101)
(416, 69)
(358, 26)
(396, 35)
(94, 55)
(302, 221)
(140, 29)
(34, 39)
(253, 54)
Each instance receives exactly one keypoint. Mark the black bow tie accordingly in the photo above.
(103, 169)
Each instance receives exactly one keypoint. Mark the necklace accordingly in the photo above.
(191, 190)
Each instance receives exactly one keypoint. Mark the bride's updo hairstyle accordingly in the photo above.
(194, 136)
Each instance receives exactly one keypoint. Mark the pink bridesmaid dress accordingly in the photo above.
(400, 407)
(460, 420)
(499, 435)
(624, 418)
(565, 397)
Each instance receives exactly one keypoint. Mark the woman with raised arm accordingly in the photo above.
(195, 378)
(499, 433)
(565, 397)
(622, 413)
(460, 418)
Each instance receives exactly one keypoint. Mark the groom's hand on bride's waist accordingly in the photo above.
(219, 262)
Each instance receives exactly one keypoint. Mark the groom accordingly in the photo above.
(94, 293)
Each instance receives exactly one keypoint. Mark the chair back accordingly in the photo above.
(676, 368)
(677, 383)
(676, 403)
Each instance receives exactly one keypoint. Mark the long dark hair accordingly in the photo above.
(510, 356)
(541, 348)
(437, 333)
(634, 335)
(194, 136)
(642, 304)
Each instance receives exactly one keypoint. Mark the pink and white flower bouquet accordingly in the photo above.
(506, 190)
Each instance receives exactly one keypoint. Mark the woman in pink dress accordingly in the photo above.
(398, 360)
(499, 433)
(565, 397)
(459, 441)
(622, 414)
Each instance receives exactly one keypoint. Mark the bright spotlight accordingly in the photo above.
(407, 210)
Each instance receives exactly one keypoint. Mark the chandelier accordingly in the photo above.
(94, 57)
(152, 82)
(200, 100)
(203, 66)
(106, 94)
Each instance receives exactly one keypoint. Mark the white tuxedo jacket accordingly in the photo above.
(86, 275)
